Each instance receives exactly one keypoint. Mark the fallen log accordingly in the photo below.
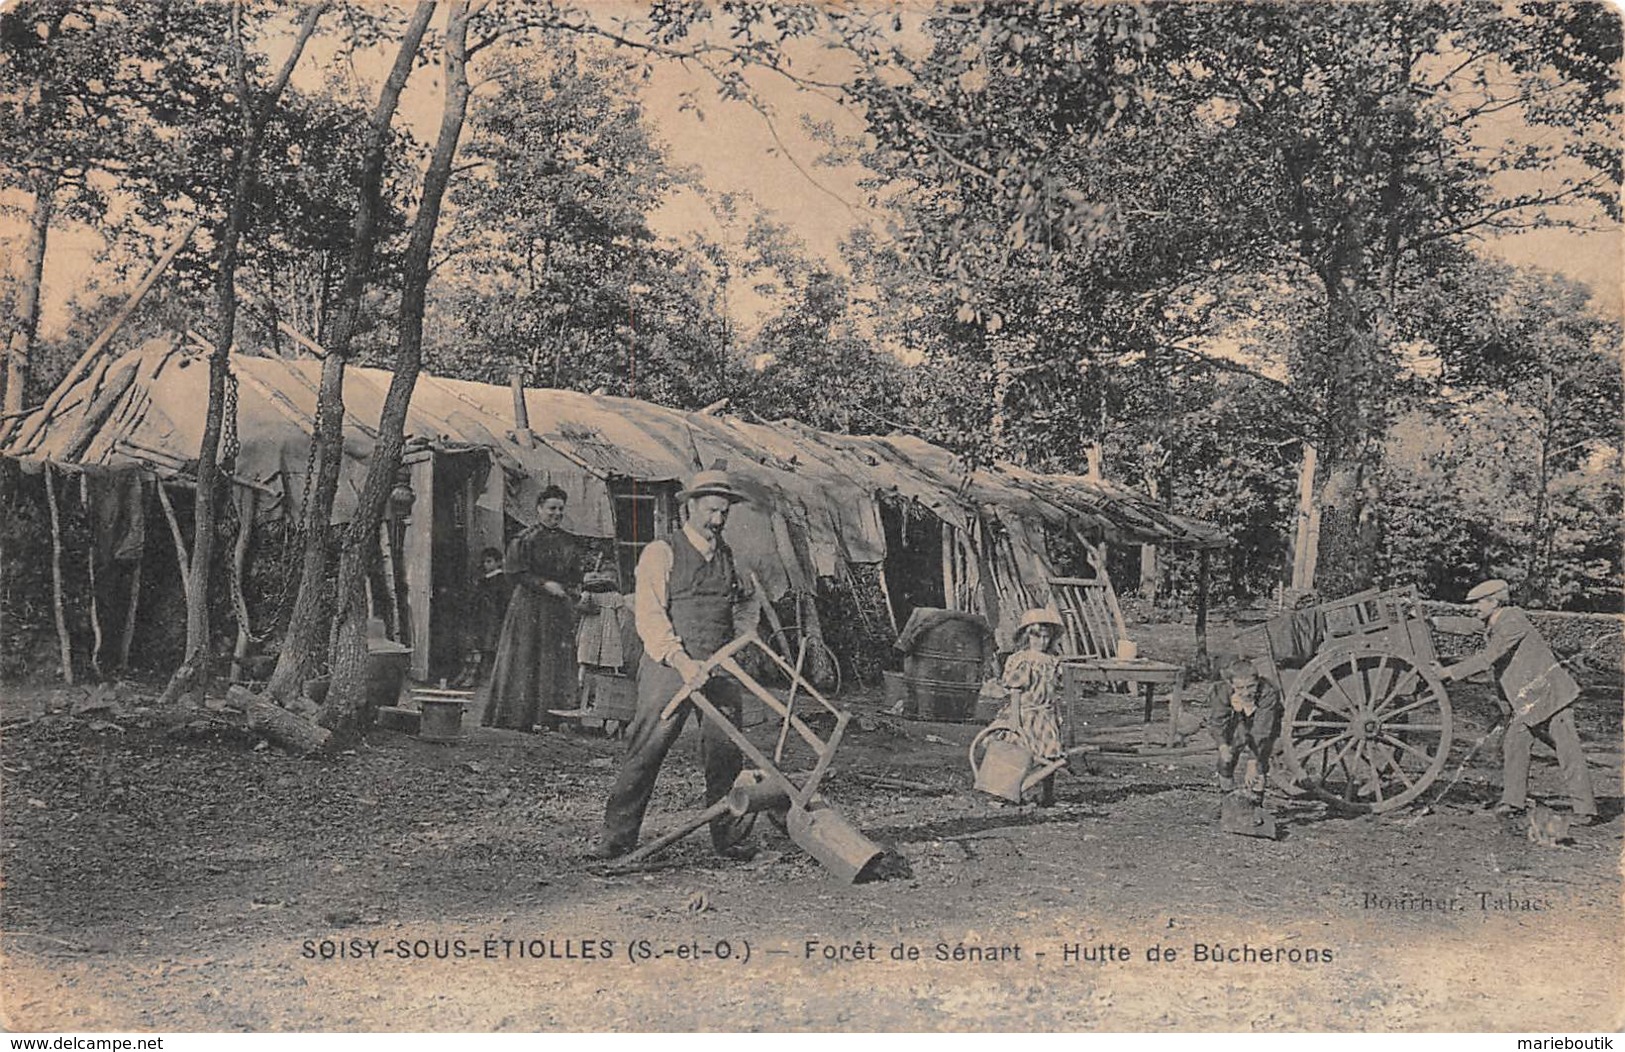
(286, 729)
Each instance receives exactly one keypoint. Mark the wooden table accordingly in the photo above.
(1137, 672)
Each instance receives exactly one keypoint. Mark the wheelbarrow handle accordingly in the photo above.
(707, 666)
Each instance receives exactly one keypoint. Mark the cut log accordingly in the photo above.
(285, 729)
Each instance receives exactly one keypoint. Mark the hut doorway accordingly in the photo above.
(454, 546)
(913, 568)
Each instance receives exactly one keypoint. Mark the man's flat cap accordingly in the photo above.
(1493, 587)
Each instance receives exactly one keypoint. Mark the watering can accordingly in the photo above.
(1007, 768)
(1004, 766)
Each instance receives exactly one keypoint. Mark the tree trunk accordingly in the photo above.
(1148, 552)
(192, 678)
(1536, 587)
(1354, 419)
(310, 625)
(20, 349)
(1304, 538)
(341, 711)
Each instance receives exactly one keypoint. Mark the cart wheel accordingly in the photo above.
(1366, 730)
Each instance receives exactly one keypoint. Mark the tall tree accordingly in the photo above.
(1074, 177)
(96, 99)
(341, 711)
(192, 678)
(1535, 341)
(308, 631)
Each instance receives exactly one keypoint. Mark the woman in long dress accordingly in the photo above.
(535, 666)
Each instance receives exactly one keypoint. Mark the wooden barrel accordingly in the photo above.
(942, 673)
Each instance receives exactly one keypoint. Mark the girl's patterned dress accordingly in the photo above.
(1033, 679)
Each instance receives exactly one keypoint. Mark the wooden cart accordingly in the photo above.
(1367, 723)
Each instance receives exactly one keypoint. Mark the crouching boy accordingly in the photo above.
(1244, 714)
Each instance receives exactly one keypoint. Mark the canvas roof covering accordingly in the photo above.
(814, 495)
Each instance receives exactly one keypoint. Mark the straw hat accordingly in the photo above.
(1493, 587)
(713, 483)
(1040, 616)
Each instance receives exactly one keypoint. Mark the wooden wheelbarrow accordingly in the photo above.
(816, 828)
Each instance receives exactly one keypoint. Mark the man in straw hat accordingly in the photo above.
(1537, 693)
(690, 601)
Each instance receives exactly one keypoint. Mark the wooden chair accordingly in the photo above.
(1094, 623)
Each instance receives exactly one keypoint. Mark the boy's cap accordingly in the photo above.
(1484, 590)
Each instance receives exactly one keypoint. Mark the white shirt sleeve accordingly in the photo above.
(649, 614)
(747, 612)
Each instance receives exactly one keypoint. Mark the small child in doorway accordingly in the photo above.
(1244, 714)
(484, 628)
(1032, 676)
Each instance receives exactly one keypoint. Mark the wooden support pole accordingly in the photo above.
(239, 559)
(130, 613)
(181, 554)
(1203, 563)
(90, 566)
(885, 595)
(771, 614)
(521, 413)
(819, 672)
(101, 342)
(101, 407)
(1148, 552)
(56, 577)
(790, 702)
(391, 589)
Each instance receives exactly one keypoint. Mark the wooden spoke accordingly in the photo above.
(1320, 700)
(1376, 771)
(1385, 679)
(1399, 769)
(1362, 685)
(1407, 747)
(1324, 744)
(1338, 759)
(1333, 759)
(1419, 703)
(1337, 685)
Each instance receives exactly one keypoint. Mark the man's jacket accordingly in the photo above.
(1533, 682)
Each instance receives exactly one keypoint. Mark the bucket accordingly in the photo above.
(442, 720)
(387, 662)
(1004, 766)
(827, 836)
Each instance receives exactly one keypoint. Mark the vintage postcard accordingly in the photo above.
(616, 517)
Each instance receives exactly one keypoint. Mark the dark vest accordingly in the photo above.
(700, 596)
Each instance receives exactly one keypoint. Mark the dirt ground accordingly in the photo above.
(213, 883)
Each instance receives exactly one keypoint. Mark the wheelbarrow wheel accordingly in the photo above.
(1367, 730)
